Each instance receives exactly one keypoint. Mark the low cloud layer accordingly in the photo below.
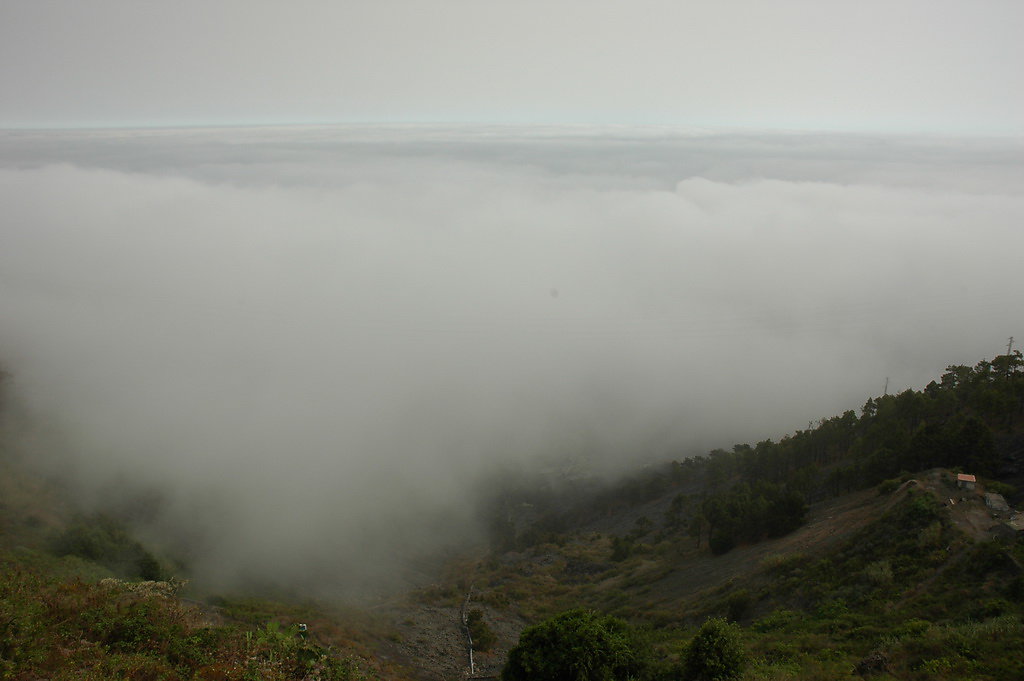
(316, 344)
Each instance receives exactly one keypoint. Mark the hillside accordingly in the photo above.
(73, 605)
(845, 548)
(821, 530)
(898, 573)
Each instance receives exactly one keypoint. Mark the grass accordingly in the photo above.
(56, 627)
(62, 617)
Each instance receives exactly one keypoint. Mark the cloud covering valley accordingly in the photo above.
(317, 344)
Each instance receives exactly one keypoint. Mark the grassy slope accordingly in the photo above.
(896, 584)
(896, 578)
(59, 619)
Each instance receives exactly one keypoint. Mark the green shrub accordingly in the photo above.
(721, 541)
(912, 628)
(930, 536)
(106, 542)
(879, 573)
(833, 609)
(1000, 488)
(779, 562)
(778, 619)
(923, 509)
(889, 486)
(622, 548)
(992, 607)
(715, 653)
(737, 604)
(482, 634)
(577, 645)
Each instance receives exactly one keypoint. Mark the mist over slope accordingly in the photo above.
(312, 345)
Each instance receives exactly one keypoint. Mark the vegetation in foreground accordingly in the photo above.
(578, 645)
(57, 628)
(80, 599)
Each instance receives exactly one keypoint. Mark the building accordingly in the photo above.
(966, 481)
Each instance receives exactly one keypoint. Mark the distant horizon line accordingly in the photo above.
(696, 129)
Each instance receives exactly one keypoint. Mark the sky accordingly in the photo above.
(907, 66)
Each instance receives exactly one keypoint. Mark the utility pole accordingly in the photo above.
(886, 390)
(1009, 346)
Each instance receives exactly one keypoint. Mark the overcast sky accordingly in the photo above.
(892, 65)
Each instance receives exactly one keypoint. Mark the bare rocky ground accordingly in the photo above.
(431, 640)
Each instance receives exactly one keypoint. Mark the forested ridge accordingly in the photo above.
(965, 420)
(970, 419)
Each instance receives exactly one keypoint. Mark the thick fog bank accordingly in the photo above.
(313, 345)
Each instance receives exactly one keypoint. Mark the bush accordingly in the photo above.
(1000, 488)
(777, 619)
(879, 573)
(889, 486)
(931, 536)
(577, 645)
(716, 653)
(737, 604)
(107, 543)
(622, 548)
(482, 635)
(721, 542)
(921, 511)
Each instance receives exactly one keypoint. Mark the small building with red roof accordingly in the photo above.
(966, 481)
